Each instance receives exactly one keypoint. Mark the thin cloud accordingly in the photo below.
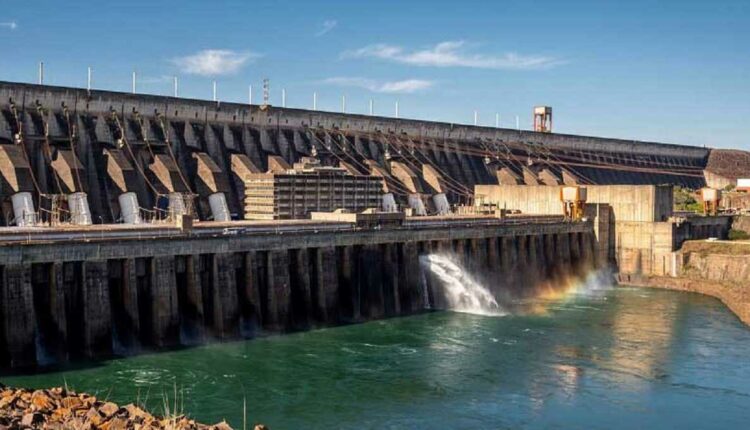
(392, 87)
(213, 62)
(11, 25)
(327, 26)
(453, 54)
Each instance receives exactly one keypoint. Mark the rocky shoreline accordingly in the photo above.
(58, 408)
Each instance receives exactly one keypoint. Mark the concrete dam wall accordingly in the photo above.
(57, 140)
(92, 298)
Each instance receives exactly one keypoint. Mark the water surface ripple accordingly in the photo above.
(629, 358)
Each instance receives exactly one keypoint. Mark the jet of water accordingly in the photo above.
(461, 291)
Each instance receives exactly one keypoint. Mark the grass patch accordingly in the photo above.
(735, 234)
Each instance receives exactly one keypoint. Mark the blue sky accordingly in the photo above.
(671, 71)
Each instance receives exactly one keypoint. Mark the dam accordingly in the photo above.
(136, 222)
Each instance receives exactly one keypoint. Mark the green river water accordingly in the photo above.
(624, 359)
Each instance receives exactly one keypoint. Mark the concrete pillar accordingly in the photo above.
(370, 275)
(165, 310)
(97, 317)
(191, 302)
(562, 254)
(508, 262)
(130, 303)
(278, 290)
(301, 289)
(57, 310)
(250, 297)
(18, 317)
(327, 298)
(493, 255)
(49, 306)
(225, 310)
(575, 252)
(349, 283)
(410, 273)
(533, 272)
(391, 298)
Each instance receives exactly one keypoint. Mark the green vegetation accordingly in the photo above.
(735, 234)
(685, 200)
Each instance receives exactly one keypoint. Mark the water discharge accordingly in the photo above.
(462, 293)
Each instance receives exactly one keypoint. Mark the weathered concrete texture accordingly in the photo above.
(95, 307)
(162, 297)
(95, 300)
(278, 290)
(219, 133)
(18, 318)
(225, 311)
(327, 285)
(249, 295)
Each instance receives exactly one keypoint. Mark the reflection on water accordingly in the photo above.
(624, 358)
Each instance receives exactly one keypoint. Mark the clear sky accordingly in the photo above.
(675, 71)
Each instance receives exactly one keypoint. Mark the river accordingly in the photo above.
(625, 358)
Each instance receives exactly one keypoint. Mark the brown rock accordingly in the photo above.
(93, 417)
(115, 424)
(72, 403)
(41, 400)
(30, 420)
(222, 426)
(108, 409)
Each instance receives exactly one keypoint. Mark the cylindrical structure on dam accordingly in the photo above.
(219, 208)
(389, 203)
(417, 205)
(441, 204)
(78, 204)
(23, 209)
(129, 208)
(176, 205)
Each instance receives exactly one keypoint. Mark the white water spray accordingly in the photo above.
(461, 291)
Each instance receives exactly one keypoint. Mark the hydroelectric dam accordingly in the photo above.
(136, 222)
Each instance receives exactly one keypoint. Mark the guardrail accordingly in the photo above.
(98, 232)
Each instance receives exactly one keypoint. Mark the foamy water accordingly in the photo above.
(462, 293)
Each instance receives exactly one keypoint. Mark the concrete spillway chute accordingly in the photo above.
(506, 176)
(69, 169)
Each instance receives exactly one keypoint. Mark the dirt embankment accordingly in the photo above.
(718, 269)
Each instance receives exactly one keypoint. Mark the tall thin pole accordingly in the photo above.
(315, 101)
(518, 123)
(372, 107)
(283, 97)
(41, 73)
(176, 87)
(396, 108)
(476, 118)
(249, 94)
(88, 80)
(497, 120)
(214, 90)
(343, 104)
(134, 77)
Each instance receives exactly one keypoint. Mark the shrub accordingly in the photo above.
(735, 234)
